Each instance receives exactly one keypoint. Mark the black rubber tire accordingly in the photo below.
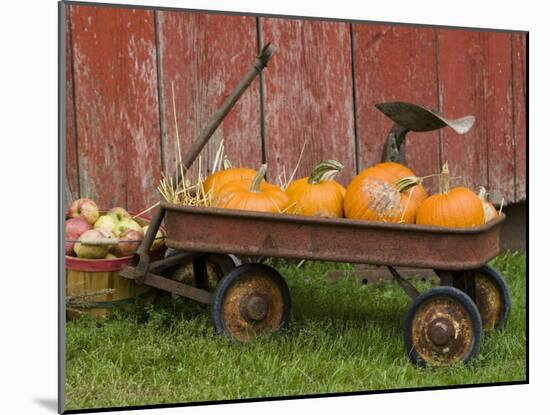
(455, 294)
(241, 271)
(499, 282)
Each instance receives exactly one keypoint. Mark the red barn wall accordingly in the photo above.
(319, 91)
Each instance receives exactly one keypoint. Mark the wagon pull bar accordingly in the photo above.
(141, 257)
(411, 117)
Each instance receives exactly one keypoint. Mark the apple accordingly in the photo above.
(159, 238)
(93, 251)
(70, 238)
(77, 226)
(119, 213)
(126, 223)
(130, 240)
(85, 208)
(106, 222)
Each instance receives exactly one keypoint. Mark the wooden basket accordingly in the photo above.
(90, 276)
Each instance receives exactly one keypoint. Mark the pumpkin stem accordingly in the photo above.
(324, 171)
(226, 163)
(444, 177)
(255, 185)
(407, 182)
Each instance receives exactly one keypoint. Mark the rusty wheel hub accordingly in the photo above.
(253, 306)
(442, 331)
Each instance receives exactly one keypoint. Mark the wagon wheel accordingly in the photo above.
(443, 327)
(252, 300)
(491, 296)
(215, 267)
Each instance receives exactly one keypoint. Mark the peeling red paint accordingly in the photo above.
(309, 96)
(205, 56)
(116, 105)
(114, 153)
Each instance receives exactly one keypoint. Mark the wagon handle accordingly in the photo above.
(259, 64)
(141, 257)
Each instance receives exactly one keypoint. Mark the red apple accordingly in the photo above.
(70, 238)
(77, 226)
(84, 250)
(130, 240)
(85, 208)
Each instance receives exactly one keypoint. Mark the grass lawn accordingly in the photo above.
(342, 337)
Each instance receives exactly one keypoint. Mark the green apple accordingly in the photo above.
(106, 222)
(126, 223)
(119, 213)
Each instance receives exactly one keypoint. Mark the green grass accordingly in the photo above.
(343, 337)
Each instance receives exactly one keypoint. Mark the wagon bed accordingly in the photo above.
(206, 229)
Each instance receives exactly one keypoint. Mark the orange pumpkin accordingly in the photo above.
(217, 180)
(374, 195)
(488, 209)
(256, 195)
(319, 194)
(453, 208)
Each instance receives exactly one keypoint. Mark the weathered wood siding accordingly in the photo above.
(319, 89)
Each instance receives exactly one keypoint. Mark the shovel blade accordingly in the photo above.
(414, 117)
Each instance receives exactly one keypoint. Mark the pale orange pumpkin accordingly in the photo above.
(452, 208)
(319, 194)
(229, 174)
(256, 195)
(374, 194)
(488, 209)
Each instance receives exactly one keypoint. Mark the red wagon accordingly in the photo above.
(444, 325)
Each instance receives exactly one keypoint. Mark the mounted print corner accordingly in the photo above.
(268, 207)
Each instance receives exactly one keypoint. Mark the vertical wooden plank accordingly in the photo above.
(205, 56)
(116, 105)
(475, 78)
(463, 89)
(71, 161)
(519, 45)
(498, 120)
(309, 96)
(395, 63)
